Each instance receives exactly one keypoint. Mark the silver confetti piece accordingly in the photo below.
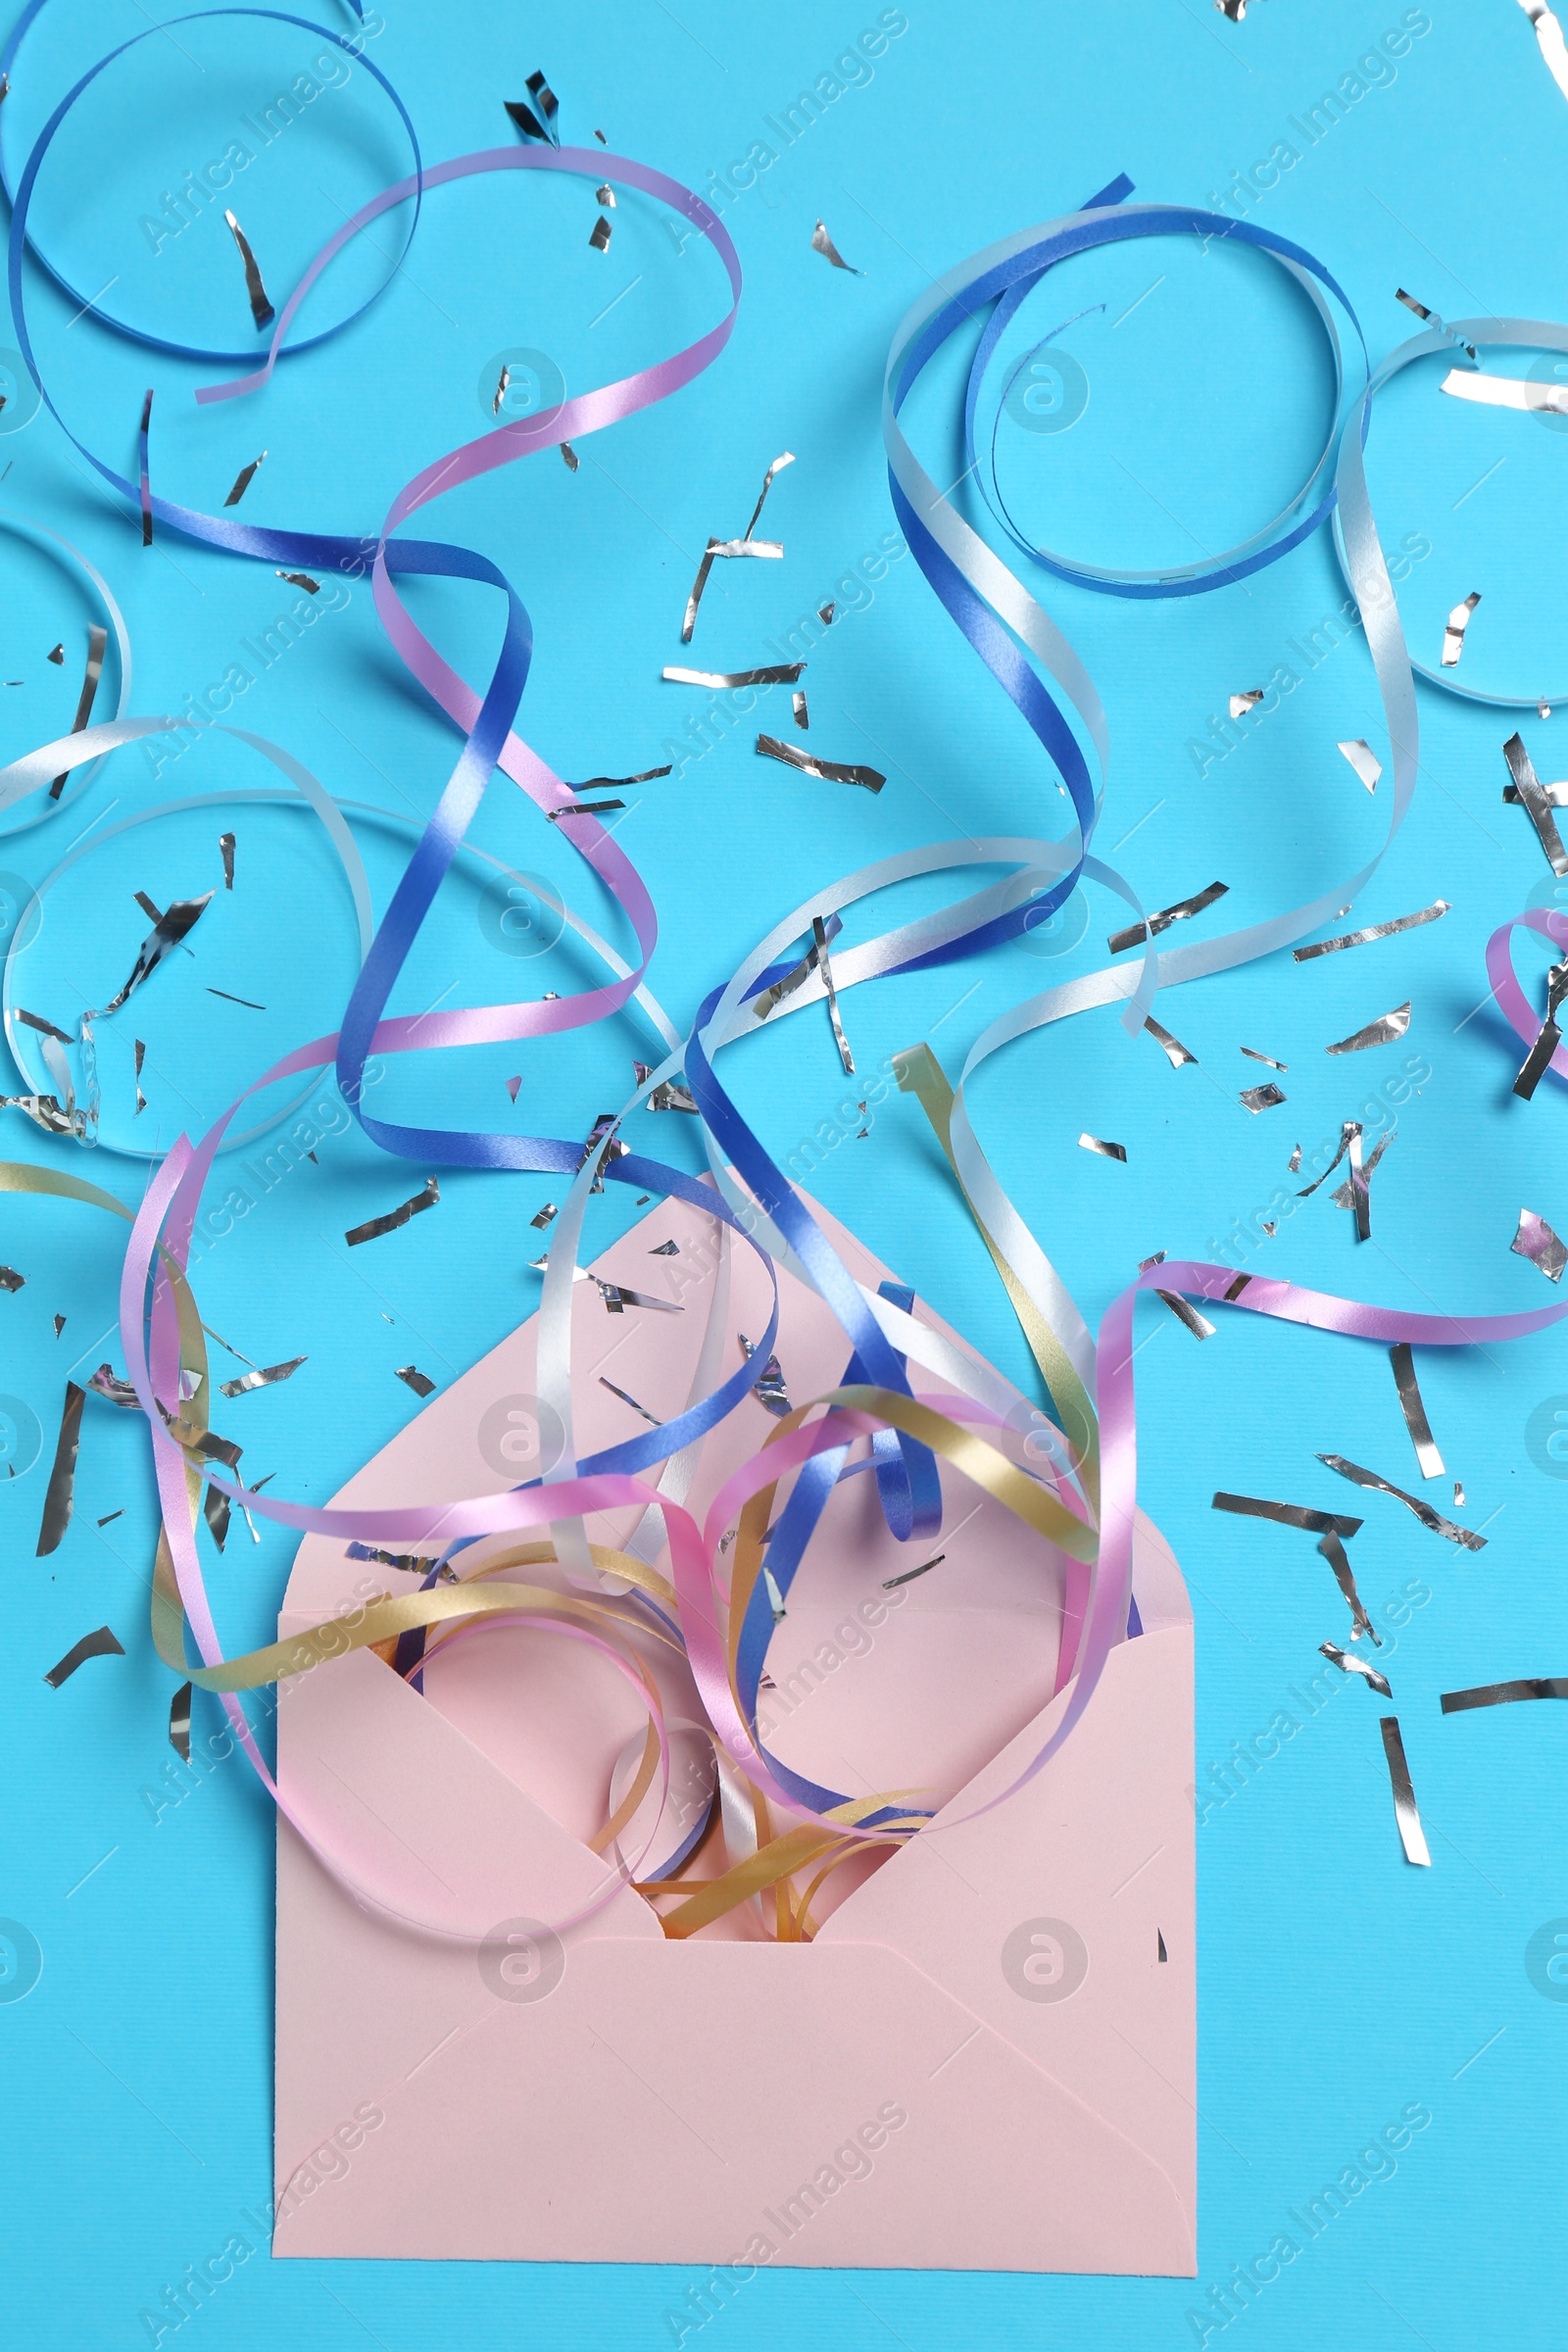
(1527, 786)
(891, 1584)
(1459, 622)
(616, 1295)
(420, 1382)
(1359, 939)
(97, 644)
(99, 1644)
(266, 1378)
(1241, 704)
(1332, 1551)
(503, 387)
(825, 967)
(374, 1227)
(1348, 1663)
(410, 1563)
(260, 308)
(1175, 1052)
(59, 1500)
(1235, 9)
(106, 1382)
(1252, 1054)
(652, 1418)
(11, 1280)
(179, 1723)
(1092, 1143)
(538, 121)
(606, 196)
(546, 1215)
(802, 718)
(600, 234)
(1261, 1098)
(775, 1598)
(824, 244)
(827, 771)
(1459, 1495)
(1431, 319)
(225, 843)
(300, 579)
(569, 457)
(785, 457)
(1181, 913)
(665, 1249)
(1415, 1411)
(1429, 1518)
(825, 613)
(1186, 1313)
(57, 654)
(1288, 1514)
(1360, 755)
(769, 1389)
(584, 808)
(1354, 1192)
(1412, 1835)
(1293, 1167)
(1554, 795)
(1381, 1032)
(604, 1125)
(166, 935)
(782, 674)
(620, 783)
(1505, 1695)
(243, 481)
(1535, 1241)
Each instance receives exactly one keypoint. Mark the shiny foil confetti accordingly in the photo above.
(99, 1644)
(620, 783)
(767, 1000)
(418, 1381)
(538, 120)
(665, 1249)
(668, 1096)
(1293, 1167)
(503, 387)
(584, 808)
(891, 1584)
(179, 1723)
(1261, 1098)
(827, 771)
(1527, 784)
(376, 1227)
(266, 1378)
(1332, 1551)
(1348, 1663)
(546, 1217)
(260, 308)
(142, 466)
(824, 244)
(1359, 939)
(617, 1297)
(569, 457)
(243, 481)
(1459, 622)
(825, 967)
(1549, 37)
(1459, 1495)
(408, 1563)
(300, 579)
(1235, 9)
(1175, 1052)
(1360, 755)
(11, 1280)
(1535, 1241)
(1416, 1412)
(59, 1500)
(605, 195)
(1430, 319)
(652, 1418)
(1412, 1835)
(225, 843)
(1555, 796)
(802, 718)
(97, 645)
(769, 1388)
(1354, 1194)
(59, 1325)
(825, 614)
(1505, 1695)
(1429, 1518)
(1288, 1514)
(1181, 913)
(512, 1086)
(57, 654)
(249, 1004)
(108, 1383)
(1241, 704)
(1252, 1054)
(785, 457)
(1381, 1032)
(782, 674)
(614, 1150)
(600, 234)
(1187, 1314)
(1094, 1143)
(166, 935)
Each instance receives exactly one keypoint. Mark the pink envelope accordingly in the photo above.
(985, 2060)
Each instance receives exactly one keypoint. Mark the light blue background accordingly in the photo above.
(1336, 1985)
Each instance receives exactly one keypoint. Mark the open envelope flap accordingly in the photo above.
(634, 2100)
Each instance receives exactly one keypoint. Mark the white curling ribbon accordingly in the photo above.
(1508, 391)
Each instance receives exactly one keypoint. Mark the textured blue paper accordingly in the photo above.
(1338, 1986)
